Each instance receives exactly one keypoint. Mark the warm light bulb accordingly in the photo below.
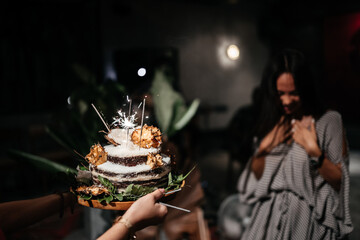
(233, 52)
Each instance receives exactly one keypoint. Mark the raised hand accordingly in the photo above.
(279, 134)
(306, 137)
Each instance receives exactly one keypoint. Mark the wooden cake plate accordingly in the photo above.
(120, 206)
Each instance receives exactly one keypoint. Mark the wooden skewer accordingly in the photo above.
(142, 122)
(101, 117)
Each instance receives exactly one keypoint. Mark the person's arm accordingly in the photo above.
(144, 212)
(308, 140)
(258, 165)
(331, 173)
(279, 134)
(16, 215)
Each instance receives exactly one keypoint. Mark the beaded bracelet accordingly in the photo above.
(126, 223)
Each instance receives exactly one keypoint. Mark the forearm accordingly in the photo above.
(331, 173)
(122, 227)
(117, 232)
(19, 214)
(258, 165)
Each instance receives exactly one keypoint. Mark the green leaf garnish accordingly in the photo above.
(109, 198)
(118, 196)
(83, 168)
(107, 184)
(86, 197)
(169, 178)
(134, 192)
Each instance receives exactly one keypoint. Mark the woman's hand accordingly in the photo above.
(279, 134)
(146, 211)
(306, 137)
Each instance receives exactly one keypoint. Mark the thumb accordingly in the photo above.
(157, 194)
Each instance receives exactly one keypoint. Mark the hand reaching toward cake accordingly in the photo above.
(144, 212)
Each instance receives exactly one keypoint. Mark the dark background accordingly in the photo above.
(44, 45)
(41, 41)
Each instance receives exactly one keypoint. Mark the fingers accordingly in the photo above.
(296, 125)
(162, 210)
(157, 194)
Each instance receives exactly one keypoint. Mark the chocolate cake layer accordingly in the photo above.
(128, 161)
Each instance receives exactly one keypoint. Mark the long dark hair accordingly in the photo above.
(293, 62)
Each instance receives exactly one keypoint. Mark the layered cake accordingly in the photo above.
(133, 157)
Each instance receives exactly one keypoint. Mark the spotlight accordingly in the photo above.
(233, 52)
(141, 72)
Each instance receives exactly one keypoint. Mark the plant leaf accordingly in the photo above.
(170, 178)
(164, 97)
(188, 115)
(54, 136)
(169, 105)
(43, 163)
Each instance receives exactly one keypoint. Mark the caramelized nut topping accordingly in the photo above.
(154, 160)
(150, 137)
(97, 155)
(93, 190)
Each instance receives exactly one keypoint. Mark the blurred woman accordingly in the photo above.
(298, 178)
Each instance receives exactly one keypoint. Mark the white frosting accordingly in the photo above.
(128, 150)
(140, 177)
(121, 169)
(120, 136)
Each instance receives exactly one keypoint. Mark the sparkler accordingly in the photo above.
(173, 191)
(127, 132)
(126, 122)
(142, 121)
(172, 206)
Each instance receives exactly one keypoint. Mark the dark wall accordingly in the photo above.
(40, 43)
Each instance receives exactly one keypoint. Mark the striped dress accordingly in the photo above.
(292, 200)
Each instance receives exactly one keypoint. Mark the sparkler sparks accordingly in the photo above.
(124, 121)
(128, 121)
